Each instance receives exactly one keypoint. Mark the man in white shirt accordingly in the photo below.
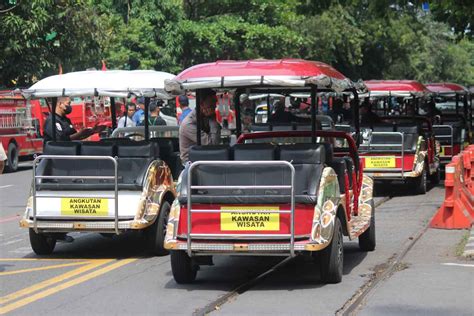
(127, 120)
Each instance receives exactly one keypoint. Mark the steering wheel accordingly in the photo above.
(137, 135)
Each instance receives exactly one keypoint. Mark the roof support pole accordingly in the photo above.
(268, 109)
(198, 117)
(457, 104)
(53, 118)
(238, 123)
(113, 113)
(356, 117)
(147, 106)
(314, 90)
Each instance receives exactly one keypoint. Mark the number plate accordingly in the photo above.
(84, 206)
(250, 221)
(379, 162)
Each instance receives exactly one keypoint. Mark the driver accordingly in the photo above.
(210, 129)
(64, 129)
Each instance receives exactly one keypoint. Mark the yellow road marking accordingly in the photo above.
(49, 259)
(56, 266)
(63, 286)
(49, 282)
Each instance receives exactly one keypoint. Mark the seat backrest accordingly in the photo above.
(67, 148)
(254, 152)
(140, 149)
(303, 153)
(383, 128)
(260, 128)
(282, 127)
(206, 153)
(166, 147)
(98, 149)
(408, 129)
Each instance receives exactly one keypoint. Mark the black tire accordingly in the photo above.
(367, 240)
(42, 244)
(332, 257)
(184, 271)
(435, 178)
(12, 158)
(420, 182)
(155, 234)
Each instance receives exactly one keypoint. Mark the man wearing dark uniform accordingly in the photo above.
(64, 128)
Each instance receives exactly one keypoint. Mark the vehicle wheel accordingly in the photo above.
(435, 178)
(332, 257)
(42, 244)
(184, 271)
(367, 240)
(420, 182)
(12, 158)
(155, 234)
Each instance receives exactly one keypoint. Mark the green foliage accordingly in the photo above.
(390, 39)
(39, 35)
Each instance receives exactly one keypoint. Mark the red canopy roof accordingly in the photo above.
(446, 88)
(395, 85)
(260, 72)
(260, 67)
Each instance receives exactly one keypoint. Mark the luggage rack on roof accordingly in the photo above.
(190, 187)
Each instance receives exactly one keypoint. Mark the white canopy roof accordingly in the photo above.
(111, 83)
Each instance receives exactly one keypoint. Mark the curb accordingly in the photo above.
(469, 248)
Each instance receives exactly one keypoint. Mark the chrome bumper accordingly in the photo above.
(84, 226)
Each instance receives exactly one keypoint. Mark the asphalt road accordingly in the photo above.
(96, 275)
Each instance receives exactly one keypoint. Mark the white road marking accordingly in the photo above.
(12, 242)
(459, 265)
(6, 186)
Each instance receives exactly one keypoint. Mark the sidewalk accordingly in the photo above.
(469, 248)
(431, 280)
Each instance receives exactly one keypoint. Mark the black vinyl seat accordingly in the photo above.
(169, 155)
(260, 128)
(391, 142)
(307, 159)
(133, 161)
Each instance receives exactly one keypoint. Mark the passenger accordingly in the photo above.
(185, 110)
(155, 119)
(433, 112)
(127, 119)
(246, 113)
(139, 115)
(367, 117)
(280, 115)
(64, 128)
(210, 129)
(346, 111)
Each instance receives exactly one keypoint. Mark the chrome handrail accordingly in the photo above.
(450, 136)
(218, 187)
(51, 157)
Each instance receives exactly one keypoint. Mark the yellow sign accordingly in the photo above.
(250, 221)
(84, 206)
(380, 162)
(441, 152)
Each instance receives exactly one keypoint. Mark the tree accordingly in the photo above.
(39, 35)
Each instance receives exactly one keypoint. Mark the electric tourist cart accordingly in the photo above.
(453, 126)
(400, 144)
(109, 186)
(275, 193)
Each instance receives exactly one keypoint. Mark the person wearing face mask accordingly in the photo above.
(210, 129)
(64, 129)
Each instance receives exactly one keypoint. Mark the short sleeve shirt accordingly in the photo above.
(64, 128)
